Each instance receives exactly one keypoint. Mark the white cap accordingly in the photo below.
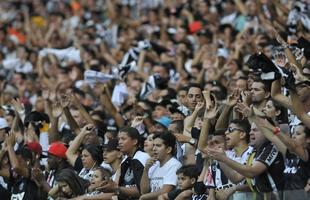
(3, 123)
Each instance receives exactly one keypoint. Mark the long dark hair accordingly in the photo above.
(73, 180)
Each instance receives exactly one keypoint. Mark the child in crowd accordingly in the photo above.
(187, 187)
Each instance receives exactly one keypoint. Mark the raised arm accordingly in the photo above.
(53, 132)
(71, 121)
(190, 120)
(209, 114)
(223, 120)
(22, 170)
(298, 109)
(278, 96)
(71, 153)
(81, 108)
(268, 131)
(108, 105)
(241, 7)
(288, 142)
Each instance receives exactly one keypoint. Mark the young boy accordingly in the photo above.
(187, 179)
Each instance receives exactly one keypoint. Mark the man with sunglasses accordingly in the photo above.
(237, 140)
(264, 169)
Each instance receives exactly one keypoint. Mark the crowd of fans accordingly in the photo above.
(155, 99)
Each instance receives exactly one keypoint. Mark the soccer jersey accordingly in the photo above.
(132, 169)
(272, 179)
(296, 171)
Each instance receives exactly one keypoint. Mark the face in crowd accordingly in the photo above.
(258, 92)
(256, 137)
(194, 96)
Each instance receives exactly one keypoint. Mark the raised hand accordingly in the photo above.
(243, 109)
(52, 95)
(216, 153)
(246, 97)
(137, 121)
(182, 138)
(199, 106)
(65, 101)
(45, 94)
(212, 111)
(57, 110)
(232, 99)
(207, 97)
(10, 140)
(87, 129)
(18, 106)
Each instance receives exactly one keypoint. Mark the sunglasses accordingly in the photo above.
(230, 129)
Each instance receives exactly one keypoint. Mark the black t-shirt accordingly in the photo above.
(4, 193)
(296, 171)
(23, 188)
(272, 179)
(174, 193)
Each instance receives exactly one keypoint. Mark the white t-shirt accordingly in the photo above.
(165, 175)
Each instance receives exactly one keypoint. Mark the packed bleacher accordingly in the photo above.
(155, 99)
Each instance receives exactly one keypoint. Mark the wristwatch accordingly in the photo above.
(192, 141)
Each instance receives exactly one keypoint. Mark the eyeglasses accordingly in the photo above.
(230, 129)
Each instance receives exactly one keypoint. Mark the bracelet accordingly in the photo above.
(276, 131)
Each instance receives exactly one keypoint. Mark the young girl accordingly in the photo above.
(100, 177)
(69, 185)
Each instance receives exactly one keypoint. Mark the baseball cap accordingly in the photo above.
(111, 145)
(164, 121)
(3, 123)
(58, 149)
(35, 147)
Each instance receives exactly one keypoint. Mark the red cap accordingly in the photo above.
(195, 27)
(58, 149)
(35, 147)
